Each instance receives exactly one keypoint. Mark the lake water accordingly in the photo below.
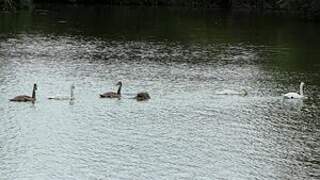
(182, 57)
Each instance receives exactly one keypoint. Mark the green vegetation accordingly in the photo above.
(7, 4)
(304, 8)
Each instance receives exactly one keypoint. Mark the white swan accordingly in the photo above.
(292, 95)
(71, 97)
(243, 92)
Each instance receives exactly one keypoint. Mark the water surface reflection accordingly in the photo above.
(184, 131)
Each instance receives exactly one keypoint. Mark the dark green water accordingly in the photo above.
(184, 58)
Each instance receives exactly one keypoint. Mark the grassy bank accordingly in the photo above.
(303, 8)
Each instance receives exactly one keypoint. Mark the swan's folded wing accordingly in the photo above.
(110, 95)
(22, 98)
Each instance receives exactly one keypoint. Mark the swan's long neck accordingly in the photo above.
(34, 92)
(119, 89)
(301, 89)
(71, 93)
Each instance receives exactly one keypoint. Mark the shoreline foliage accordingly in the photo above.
(304, 8)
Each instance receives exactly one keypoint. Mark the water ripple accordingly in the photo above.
(184, 131)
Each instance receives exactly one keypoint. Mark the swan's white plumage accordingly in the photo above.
(61, 98)
(58, 97)
(293, 95)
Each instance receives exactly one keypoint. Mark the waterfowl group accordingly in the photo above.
(243, 92)
(142, 96)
